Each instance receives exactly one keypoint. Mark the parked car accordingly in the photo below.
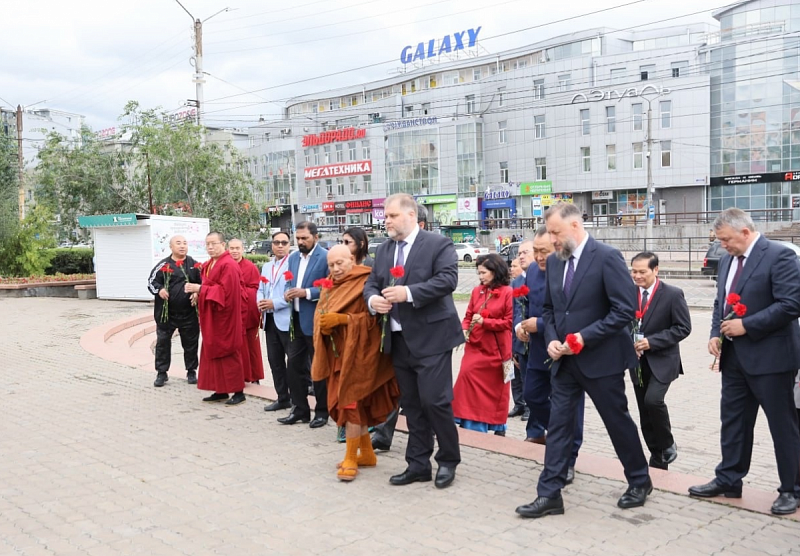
(327, 243)
(468, 252)
(510, 252)
(261, 247)
(715, 252)
(372, 247)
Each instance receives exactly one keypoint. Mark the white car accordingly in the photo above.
(468, 252)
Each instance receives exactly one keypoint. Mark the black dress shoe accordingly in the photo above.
(216, 397)
(276, 405)
(445, 476)
(407, 477)
(658, 462)
(380, 446)
(541, 507)
(191, 377)
(670, 454)
(293, 418)
(713, 488)
(516, 411)
(161, 378)
(526, 414)
(785, 504)
(570, 475)
(236, 399)
(318, 422)
(635, 497)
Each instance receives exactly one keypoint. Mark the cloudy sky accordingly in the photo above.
(92, 56)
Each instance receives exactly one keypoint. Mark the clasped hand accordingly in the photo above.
(329, 321)
(556, 350)
(294, 293)
(382, 304)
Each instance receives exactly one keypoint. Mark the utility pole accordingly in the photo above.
(649, 171)
(20, 164)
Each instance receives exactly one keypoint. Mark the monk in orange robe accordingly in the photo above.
(252, 363)
(362, 389)
(219, 304)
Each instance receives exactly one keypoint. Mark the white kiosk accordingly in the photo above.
(128, 246)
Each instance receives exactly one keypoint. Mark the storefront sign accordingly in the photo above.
(449, 43)
(553, 198)
(767, 177)
(340, 205)
(598, 94)
(346, 134)
(328, 206)
(602, 195)
(378, 203)
(333, 170)
(501, 194)
(500, 203)
(411, 122)
(358, 206)
(467, 204)
(535, 187)
(310, 208)
(435, 199)
(378, 214)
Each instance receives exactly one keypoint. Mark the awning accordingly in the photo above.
(107, 220)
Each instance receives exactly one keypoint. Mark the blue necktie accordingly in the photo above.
(570, 275)
(401, 261)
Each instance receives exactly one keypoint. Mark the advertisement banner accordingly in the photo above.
(336, 170)
(467, 205)
(535, 188)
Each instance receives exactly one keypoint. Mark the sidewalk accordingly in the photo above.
(95, 461)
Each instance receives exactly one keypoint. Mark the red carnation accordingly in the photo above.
(485, 313)
(740, 309)
(574, 345)
(317, 283)
(166, 268)
(521, 291)
(198, 266)
(733, 298)
(288, 276)
(327, 284)
(639, 315)
(178, 263)
(397, 271)
(264, 280)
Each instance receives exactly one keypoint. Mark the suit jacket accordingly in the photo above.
(274, 290)
(769, 286)
(430, 324)
(519, 304)
(537, 348)
(665, 324)
(317, 268)
(600, 306)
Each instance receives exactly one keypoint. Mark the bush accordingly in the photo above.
(23, 252)
(70, 261)
(258, 260)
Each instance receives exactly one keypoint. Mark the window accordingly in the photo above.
(679, 68)
(538, 127)
(637, 116)
(329, 187)
(476, 74)
(611, 157)
(585, 128)
(563, 82)
(340, 153)
(666, 154)
(501, 96)
(316, 188)
(617, 75)
(501, 126)
(340, 186)
(586, 159)
(637, 156)
(538, 89)
(666, 113)
(327, 155)
(426, 107)
(470, 101)
(646, 72)
(332, 105)
(611, 118)
(308, 191)
(504, 172)
(316, 157)
(308, 158)
(367, 184)
(541, 169)
(352, 148)
(365, 149)
(353, 185)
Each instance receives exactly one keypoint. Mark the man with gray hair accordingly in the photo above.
(755, 334)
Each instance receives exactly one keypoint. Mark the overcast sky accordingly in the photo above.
(92, 56)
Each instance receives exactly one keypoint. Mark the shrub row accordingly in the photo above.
(74, 260)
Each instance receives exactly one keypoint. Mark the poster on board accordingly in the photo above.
(163, 228)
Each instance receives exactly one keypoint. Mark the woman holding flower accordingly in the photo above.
(480, 395)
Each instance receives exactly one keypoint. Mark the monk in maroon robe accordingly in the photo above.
(220, 306)
(252, 363)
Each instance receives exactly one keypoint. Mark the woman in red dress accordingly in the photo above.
(480, 395)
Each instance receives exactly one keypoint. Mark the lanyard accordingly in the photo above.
(276, 271)
(649, 300)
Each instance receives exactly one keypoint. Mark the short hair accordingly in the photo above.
(497, 266)
(307, 225)
(276, 234)
(422, 213)
(564, 210)
(362, 242)
(649, 256)
(540, 231)
(405, 200)
(235, 239)
(219, 235)
(736, 218)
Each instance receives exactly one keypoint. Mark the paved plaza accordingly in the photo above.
(95, 461)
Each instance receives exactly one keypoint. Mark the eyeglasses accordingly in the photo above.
(280, 242)
(346, 242)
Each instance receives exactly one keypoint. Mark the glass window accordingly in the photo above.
(316, 188)
(501, 96)
(316, 157)
(352, 148)
(340, 186)
(538, 127)
(365, 149)
(611, 157)
(339, 153)
(666, 154)
(538, 89)
(504, 172)
(367, 184)
(646, 72)
(637, 156)
(327, 155)
(617, 75)
(637, 116)
(501, 126)
(679, 68)
(611, 118)
(307, 158)
(585, 128)
(666, 113)
(329, 187)
(586, 158)
(353, 185)
(564, 82)
(476, 74)
(541, 169)
(470, 101)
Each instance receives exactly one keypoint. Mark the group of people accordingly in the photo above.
(367, 337)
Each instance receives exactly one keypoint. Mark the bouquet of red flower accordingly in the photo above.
(397, 272)
(520, 294)
(167, 271)
(325, 284)
(288, 276)
(738, 309)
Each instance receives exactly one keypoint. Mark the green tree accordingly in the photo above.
(9, 201)
(23, 253)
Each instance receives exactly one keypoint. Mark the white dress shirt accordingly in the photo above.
(412, 237)
(301, 272)
(577, 255)
(735, 263)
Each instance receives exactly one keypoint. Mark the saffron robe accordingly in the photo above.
(252, 363)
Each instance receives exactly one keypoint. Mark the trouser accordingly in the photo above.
(518, 382)
(301, 351)
(277, 343)
(189, 330)
(384, 432)
(653, 412)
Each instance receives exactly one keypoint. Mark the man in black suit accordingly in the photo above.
(422, 328)
(589, 294)
(759, 356)
(664, 324)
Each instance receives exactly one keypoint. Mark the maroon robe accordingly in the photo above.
(252, 363)
(220, 308)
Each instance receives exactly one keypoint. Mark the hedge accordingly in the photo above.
(258, 260)
(74, 260)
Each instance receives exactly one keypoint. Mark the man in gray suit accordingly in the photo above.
(422, 328)
(759, 354)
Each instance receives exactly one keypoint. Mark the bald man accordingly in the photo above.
(174, 310)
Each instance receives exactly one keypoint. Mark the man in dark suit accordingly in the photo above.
(759, 356)
(307, 265)
(664, 324)
(422, 328)
(518, 347)
(589, 294)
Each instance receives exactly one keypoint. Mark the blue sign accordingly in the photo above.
(449, 43)
(500, 203)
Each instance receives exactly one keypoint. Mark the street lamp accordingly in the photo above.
(650, 165)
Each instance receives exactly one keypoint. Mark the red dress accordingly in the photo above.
(252, 362)
(480, 393)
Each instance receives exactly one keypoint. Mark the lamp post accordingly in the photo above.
(649, 153)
